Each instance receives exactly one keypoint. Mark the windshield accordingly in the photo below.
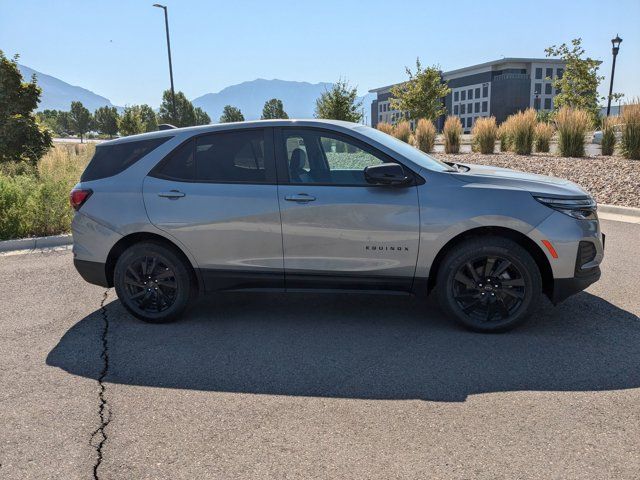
(416, 156)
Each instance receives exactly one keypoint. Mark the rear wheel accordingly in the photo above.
(489, 284)
(152, 282)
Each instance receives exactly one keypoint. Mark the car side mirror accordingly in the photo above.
(386, 174)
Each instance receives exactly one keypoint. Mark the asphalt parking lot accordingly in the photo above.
(314, 386)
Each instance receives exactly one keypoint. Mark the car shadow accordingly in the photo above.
(357, 346)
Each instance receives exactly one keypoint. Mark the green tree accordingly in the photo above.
(273, 109)
(21, 136)
(421, 96)
(185, 112)
(578, 86)
(130, 122)
(148, 118)
(231, 114)
(64, 121)
(339, 103)
(80, 119)
(106, 120)
(202, 118)
(49, 119)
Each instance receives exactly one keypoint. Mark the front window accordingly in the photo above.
(316, 157)
(407, 151)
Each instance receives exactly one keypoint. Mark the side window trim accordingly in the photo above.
(269, 159)
(282, 163)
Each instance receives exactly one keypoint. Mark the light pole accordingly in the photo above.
(173, 92)
(616, 47)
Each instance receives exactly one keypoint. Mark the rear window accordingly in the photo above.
(226, 157)
(110, 160)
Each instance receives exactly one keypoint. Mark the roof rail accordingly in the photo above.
(166, 126)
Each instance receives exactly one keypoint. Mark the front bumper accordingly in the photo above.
(563, 288)
(586, 272)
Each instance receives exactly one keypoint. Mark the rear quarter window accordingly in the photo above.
(109, 160)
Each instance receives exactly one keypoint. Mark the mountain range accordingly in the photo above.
(58, 95)
(298, 98)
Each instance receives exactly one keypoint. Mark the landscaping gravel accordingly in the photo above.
(611, 180)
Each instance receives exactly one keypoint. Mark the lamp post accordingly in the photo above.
(173, 93)
(616, 47)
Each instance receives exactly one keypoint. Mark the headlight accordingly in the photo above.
(580, 208)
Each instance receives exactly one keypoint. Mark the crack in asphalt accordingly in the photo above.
(104, 410)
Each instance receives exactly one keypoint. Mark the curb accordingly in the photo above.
(36, 242)
(628, 211)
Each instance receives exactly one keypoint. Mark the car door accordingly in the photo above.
(338, 230)
(217, 195)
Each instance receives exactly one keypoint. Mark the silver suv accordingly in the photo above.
(314, 205)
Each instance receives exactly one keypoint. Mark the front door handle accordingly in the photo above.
(300, 198)
(173, 194)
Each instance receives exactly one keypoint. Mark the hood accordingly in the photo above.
(484, 176)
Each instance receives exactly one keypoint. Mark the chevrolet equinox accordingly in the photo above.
(320, 205)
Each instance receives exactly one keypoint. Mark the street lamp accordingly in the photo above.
(616, 47)
(173, 93)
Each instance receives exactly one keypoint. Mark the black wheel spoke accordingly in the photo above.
(502, 308)
(145, 300)
(472, 306)
(137, 295)
(488, 266)
(152, 267)
(166, 274)
(462, 278)
(467, 296)
(515, 282)
(135, 283)
(134, 274)
(500, 268)
(513, 293)
(490, 311)
(171, 284)
(472, 270)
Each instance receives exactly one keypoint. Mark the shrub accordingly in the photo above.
(452, 131)
(484, 134)
(402, 131)
(544, 132)
(630, 139)
(608, 143)
(503, 136)
(521, 127)
(425, 135)
(36, 201)
(385, 127)
(572, 125)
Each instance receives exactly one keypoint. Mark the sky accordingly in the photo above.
(117, 48)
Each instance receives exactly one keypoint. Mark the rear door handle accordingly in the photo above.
(173, 194)
(300, 198)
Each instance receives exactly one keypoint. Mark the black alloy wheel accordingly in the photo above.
(150, 284)
(489, 284)
(153, 282)
(489, 288)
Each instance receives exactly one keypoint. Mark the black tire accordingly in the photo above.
(501, 304)
(153, 282)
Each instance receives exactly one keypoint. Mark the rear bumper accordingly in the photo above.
(563, 288)
(92, 272)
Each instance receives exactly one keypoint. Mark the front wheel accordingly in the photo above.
(489, 284)
(152, 282)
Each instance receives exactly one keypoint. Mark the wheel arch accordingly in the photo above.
(128, 240)
(521, 239)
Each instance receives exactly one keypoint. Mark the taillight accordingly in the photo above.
(78, 196)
